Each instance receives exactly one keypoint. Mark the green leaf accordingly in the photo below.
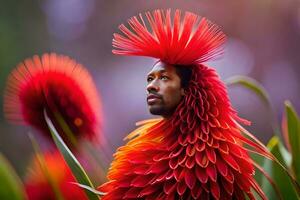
(259, 160)
(10, 184)
(42, 163)
(88, 188)
(293, 124)
(72, 162)
(250, 84)
(258, 89)
(277, 173)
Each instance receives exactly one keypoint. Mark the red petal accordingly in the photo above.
(141, 169)
(246, 166)
(214, 112)
(169, 174)
(201, 174)
(223, 147)
(205, 186)
(211, 98)
(212, 172)
(190, 150)
(204, 127)
(191, 126)
(211, 154)
(201, 159)
(197, 133)
(192, 138)
(238, 193)
(181, 188)
(229, 137)
(213, 122)
(236, 150)
(215, 189)
(172, 144)
(176, 152)
(169, 186)
(177, 173)
(190, 179)
(204, 137)
(229, 177)
(148, 190)
(132, 193)
(244, 183)
(169, 197)
(222, 167)
(217, 135)
(182, 158)
(161, 156)
(183, 174)
(190, 162)
(173, 163)
(210, 141)
(139, 158)
(182, 139)
(196, 191)
(106, 187)
(160, 177)
(224, 124)
(158, 167)
(215, 144)
(125, 181)
(231, 161)
(227, 186)
(141, 181)
(205, 196)
(200, 146)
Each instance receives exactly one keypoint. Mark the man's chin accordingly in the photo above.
(156, 110)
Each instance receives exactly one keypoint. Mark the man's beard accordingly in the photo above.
(157, 110)
(161, 110)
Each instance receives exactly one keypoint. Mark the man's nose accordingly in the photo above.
(152, 87)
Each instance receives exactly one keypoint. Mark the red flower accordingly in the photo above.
(37, 183)
(59, 85)
(199, 152)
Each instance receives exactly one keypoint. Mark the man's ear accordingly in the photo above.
(182, 91)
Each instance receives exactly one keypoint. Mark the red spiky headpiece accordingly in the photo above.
(192, 41)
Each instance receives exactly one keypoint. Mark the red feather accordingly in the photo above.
(192, 41)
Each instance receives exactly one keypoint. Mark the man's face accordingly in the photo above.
(164, 89)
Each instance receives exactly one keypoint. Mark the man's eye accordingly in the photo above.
(149, 79)
(164, 78)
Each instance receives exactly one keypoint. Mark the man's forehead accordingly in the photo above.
(161, 67)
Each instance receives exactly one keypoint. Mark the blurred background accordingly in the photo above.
(263, 43)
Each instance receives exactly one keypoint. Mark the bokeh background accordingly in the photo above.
(263, 43)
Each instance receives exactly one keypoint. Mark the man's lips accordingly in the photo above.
(152, 98)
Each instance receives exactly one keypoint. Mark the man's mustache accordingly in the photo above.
(155, 94)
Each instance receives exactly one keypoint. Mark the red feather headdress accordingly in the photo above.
(189, 42)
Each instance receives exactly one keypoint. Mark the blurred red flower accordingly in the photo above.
(60, 86)
(38, 186)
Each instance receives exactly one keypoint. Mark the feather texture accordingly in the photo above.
(190, 41)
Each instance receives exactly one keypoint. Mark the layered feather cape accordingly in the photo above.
(200, 152)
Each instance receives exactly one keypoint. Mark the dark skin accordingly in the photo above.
(164, 90)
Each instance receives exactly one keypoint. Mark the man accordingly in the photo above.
(166, 85)
(195, 151)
